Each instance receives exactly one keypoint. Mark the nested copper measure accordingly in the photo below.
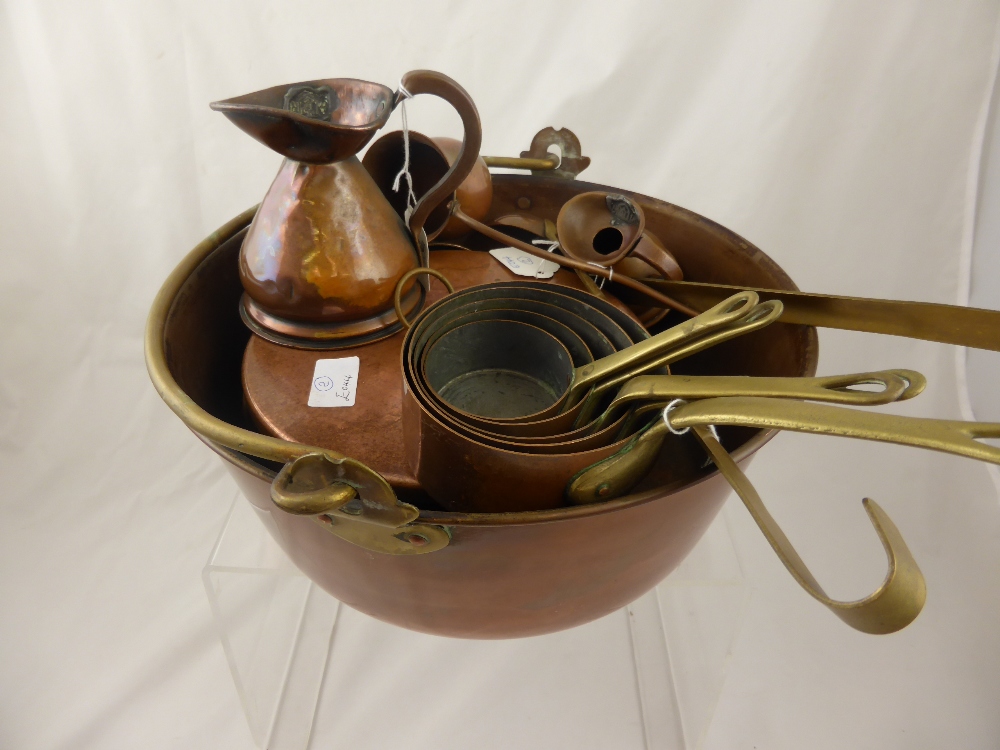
(607, 427)
(476, 357)
(588, 311)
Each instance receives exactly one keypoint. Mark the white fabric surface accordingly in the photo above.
(837, 136)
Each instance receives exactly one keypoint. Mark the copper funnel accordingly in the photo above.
(317, 122)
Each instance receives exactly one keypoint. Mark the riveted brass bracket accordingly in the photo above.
(355, 503)
(572, 160)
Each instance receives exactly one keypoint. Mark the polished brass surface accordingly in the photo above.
(896, 385)
(310, 485)
(946, 324)
(543, 164)
(758, 318)
(620, 472)
(891, 607)
(947, 436)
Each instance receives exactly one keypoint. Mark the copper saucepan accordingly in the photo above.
(560, 430)
(465, 366)
(584, 379)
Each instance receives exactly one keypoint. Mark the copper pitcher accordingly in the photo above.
(321, 260)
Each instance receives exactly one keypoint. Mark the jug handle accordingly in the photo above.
(431, 82)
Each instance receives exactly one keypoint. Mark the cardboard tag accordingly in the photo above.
(522, 264)
(335, 382)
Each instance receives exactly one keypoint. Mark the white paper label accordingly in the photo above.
(335, 382)
(523, 264)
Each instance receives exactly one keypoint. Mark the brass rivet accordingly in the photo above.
(524, 202)
(417, 540)
(352, 508)
(603, 490)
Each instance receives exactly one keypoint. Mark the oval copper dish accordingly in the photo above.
(500, 575)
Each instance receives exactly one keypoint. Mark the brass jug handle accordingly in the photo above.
(891, 607)
(430, 82)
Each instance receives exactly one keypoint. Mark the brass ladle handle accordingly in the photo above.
(506, 239)
(891, 607)
(398, 294)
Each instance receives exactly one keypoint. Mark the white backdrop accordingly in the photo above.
(843, 138)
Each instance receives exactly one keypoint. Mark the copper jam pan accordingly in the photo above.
(393, 555)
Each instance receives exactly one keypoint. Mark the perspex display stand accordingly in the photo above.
(648, 676)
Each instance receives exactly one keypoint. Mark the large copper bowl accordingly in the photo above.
(499, 575)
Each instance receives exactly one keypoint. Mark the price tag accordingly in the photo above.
(523, 264)
(335, 382)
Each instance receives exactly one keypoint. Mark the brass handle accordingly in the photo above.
(947, 436)
(430, 82)
(896, 385)
(728, 311)
(398, 294)
(514, 162)
(946, 324)
(310, 485)
(760, 317)
(891, 607)
(617, 474)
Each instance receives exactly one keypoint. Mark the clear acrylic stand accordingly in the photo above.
(648, 676)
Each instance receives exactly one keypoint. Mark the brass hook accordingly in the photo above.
(891, 607)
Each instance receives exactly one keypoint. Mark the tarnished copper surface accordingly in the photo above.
(517, 574)
(276, 382)
(325, 245)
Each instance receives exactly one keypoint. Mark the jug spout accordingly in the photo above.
(317, 122)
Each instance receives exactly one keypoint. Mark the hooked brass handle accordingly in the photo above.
(891, 607)
(309, 486)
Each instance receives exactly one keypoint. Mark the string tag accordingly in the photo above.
(411, 198)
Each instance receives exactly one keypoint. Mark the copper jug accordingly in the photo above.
(321, 260)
